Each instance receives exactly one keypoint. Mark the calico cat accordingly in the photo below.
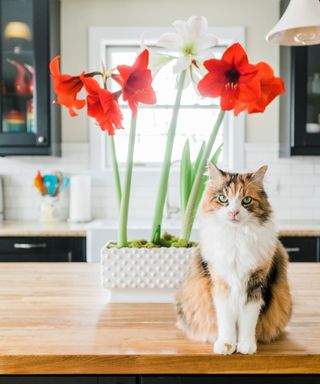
(236, 291)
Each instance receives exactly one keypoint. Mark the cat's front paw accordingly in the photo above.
(247, 347)
(223, 347)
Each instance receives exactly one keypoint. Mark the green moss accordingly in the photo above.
(167, 241)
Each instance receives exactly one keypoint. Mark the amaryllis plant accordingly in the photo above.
(135, 87)
(240, 85)
(188, 46)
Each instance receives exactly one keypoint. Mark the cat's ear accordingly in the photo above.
(258, 175)
(215, 174)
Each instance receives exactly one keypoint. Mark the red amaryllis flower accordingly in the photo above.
(136, 82)
(66, 87)
(232, 78)
(271, 87)
(102, 105)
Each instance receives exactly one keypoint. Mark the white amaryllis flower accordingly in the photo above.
(191, 42)
(157, 60)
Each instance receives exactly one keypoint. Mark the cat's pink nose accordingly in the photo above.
(233, 214)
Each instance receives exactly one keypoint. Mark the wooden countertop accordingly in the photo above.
(35, 228)
(55, 319)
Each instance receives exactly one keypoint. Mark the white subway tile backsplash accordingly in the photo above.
(301, 191)
(293, 185)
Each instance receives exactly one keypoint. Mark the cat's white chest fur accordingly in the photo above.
(235, 249)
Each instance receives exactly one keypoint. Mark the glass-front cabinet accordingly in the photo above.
(300, 106)
(30, 124)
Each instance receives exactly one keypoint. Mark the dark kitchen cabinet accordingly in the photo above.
(163, 379)
(30, 38)
(302, 249)
(118, 380)
(299, 132)
(42, 249)
(230, 379)
(32, 379)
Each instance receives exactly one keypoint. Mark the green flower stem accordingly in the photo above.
(115, 166)
(190, 211)
(163, 186)
(124, 207)
(115, 169)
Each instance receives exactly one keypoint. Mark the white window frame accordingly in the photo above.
(100, 37)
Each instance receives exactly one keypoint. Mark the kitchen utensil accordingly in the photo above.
(51, 183)
(65, 183)
(38, 183)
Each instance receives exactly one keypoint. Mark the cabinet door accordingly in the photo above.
(299, 132)
(250, 379)
(306, 107)
(26, 125)
(303, 249)
(118, 380)
(163, 379)
(48, 380)
(42, 249)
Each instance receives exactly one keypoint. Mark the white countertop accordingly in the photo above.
(8, 228)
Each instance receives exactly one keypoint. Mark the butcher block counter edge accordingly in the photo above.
(160, 364)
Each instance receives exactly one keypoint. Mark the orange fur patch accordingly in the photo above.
(195, 308)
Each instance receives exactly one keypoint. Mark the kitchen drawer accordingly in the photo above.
(249, 379)
(164, 379)
(301, 248)
(230, 379)
(48, 379)
(42, 249)
(118, 380)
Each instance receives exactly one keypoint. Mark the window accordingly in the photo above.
(196, 117)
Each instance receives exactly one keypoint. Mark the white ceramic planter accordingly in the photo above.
(140, 275)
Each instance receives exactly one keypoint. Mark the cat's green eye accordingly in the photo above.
(223, 198)
(246, 200)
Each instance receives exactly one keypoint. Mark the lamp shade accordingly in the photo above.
(18, 30)
(299, 25)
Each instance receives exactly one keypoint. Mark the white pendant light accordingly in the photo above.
(299, 25)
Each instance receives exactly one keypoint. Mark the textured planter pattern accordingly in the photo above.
(137, 268)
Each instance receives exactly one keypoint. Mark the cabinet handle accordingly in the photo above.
(29, 246)
(293, 249)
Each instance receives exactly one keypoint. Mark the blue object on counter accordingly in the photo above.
(65, 183)
(51, 183)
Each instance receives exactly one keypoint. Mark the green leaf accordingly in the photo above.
(215, 157)
(185, 176)
(197, 162)
(200, 193)
(204, 179)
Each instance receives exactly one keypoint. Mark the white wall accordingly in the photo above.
(292, 184)
(258, 16)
